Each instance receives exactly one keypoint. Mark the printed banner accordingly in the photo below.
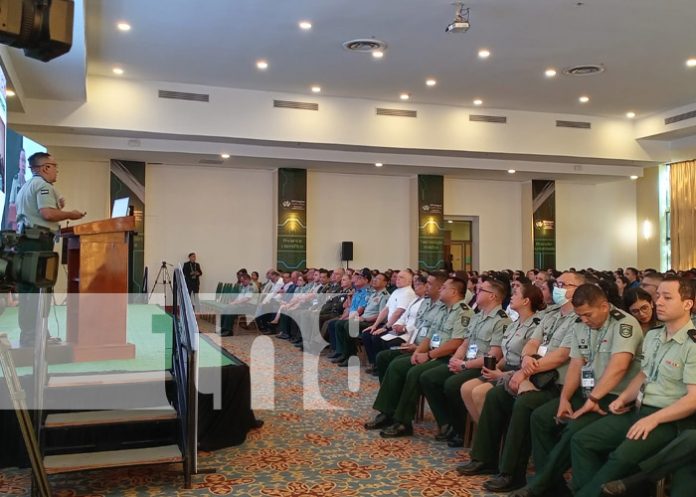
(128, 182)
(544, 208)
(292, 219)
(430, 222)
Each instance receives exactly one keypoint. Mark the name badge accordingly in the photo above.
(639, 398)
(472, 352)
(423, 331)
(435, 341)
(542, 350)
(588, 379)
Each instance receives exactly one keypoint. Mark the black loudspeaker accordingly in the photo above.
(346, 251)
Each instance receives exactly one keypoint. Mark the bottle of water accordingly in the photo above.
(435, 341)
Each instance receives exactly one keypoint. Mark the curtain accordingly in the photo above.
(682, 179)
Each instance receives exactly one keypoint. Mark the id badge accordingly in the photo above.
(471, 352)
(639, 398)
(542, 350)
(423, 331)
(588, 380)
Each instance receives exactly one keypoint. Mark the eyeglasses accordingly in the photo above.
(486, 291)
(49, 164)
(560, 284)
(643, 309)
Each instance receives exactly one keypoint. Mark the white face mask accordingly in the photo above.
(559, 295)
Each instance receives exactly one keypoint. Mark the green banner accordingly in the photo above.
(544, 207)
(292, 219)
(430, 222)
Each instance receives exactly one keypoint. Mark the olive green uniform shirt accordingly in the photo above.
(669, 365)
(453, 323)
(515, 338)
(554, 332)
(35, 195)
(619, 333)
(375, 302)
(486, 330)
(430, 312)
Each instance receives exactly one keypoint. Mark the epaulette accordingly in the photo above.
(578, 320)
(501, 313)
(536, 320)
(617, 314)
(692, 334)
(464, 307)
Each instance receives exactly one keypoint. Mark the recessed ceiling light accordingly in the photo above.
(450, 221)
(306, 25)
(550, 72)
(478, 101)
(511, 171)
(225, 156)
(123, 26)
(691, 62)
(261, 64)
(377, 54)
(378, 164)
(430, 82)
(484, 53)
(584, 99)
(404, 96)
(117, 71)
(316, 89)
(630, 115)
(10, 93)
(634, 177)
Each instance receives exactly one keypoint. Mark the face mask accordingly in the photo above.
(559, 296)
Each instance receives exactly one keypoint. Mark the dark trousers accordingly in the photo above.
(29, 294)
(384, 359)
(374, 344)
(346, 343)
(679, 459)
(443, 391)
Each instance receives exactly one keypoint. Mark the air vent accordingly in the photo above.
(215, 162)
(364, 45)
(182, 95)
(573, 124)
(396, 112)
(680, 117)
(584, 70)
(289, 104)
(487, 119)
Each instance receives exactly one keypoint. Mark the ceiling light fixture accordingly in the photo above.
(550, 72)
(306, 25)
(10, 93)
(691, 62)
(478, 101)
(378, 164)
(449, 221)
(584, 99)
(316, 89)
(484, 53)
(430, 82)
(118, 71)
(123, 26)
(404, 96)
(261, 64)
(511, 171)
(377, 54)
(634, 177)
(225, 156)
(461, 22)
(630, 115)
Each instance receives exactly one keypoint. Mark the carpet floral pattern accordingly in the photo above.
(297, 453)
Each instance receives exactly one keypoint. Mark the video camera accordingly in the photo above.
(38, 268)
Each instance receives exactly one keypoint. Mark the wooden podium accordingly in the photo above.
(98, 270)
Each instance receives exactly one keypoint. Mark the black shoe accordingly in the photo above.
(380, 421)
(283, 336)
(335, 355)
(445, 433)
(298, 344)
(370, 369)
(456, 441)
(475, 467)
(343, 364)
(258, 423)
(616, 487)
(397, 430)
(504, 483)
(225, 333)
(339, 359)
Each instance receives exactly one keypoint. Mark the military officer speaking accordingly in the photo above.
(654, 407)
(39, 210)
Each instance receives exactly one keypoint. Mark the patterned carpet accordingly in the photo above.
(298, 452)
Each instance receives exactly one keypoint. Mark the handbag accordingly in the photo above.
(545, 379)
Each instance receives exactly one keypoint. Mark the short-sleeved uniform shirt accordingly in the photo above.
(375, 302)
(669, 365)
(360, 298)
(35, 195)
(430, 315)
(619, 333)
(554, 332)
(515, 338)
(453, 323)
(486, 330)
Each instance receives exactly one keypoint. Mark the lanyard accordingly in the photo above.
(554, 328)
(594, 351)
(655, 364)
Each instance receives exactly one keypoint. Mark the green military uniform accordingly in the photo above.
(669, 365)
(345, 341)
(238, 291)
(619, 333)
(506, 415)
(442, 388)
(679, 459)
(38, 234)
(399, 392)
(427, 314)
(515, 338)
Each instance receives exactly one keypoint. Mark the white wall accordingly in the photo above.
(497, 205)
(224, 215)
(371, 211)
(596, 225)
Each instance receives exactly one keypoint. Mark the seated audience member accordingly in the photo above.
(621, 284)
(640, 305)
(336, 305)
(242, 304)
(398, 395)
(632, 276)
(396, 306)
(484, 333)
(508, 407)
(269, 303)
(526, 301)
(362, 289)
(650, 282)
(660, 399)
(604, 359)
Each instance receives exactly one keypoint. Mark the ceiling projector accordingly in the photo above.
(458, 26)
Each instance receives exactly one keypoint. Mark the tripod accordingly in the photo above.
(166, 280)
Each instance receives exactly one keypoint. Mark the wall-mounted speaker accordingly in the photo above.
(346, 251)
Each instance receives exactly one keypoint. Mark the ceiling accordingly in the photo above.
(642, 44)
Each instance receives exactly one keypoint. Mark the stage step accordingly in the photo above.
(67, 463)
(95, 418)
(92, 380)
